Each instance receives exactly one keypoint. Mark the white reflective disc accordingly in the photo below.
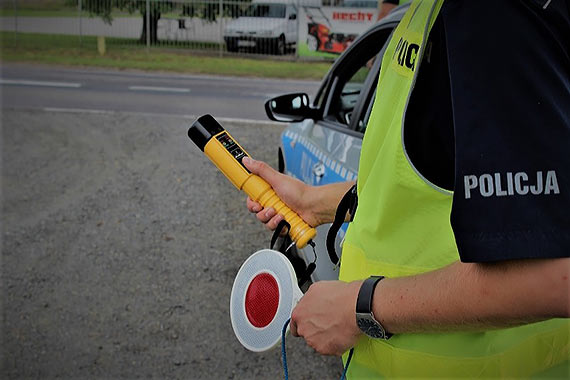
(264, 293)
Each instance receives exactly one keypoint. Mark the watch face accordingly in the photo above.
(370, 328)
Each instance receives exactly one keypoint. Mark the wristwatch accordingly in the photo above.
(364, 315)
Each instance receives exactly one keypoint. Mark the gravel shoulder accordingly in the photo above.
(120, 244)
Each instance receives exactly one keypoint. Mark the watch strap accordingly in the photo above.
(364, 300)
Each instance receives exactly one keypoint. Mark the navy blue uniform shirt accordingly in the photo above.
(489, 118)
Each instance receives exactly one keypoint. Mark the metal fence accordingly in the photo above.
(207, 25)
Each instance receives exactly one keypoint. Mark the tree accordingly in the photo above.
(208, 10)
(104, 8)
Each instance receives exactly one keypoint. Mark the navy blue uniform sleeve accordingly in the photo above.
(509, 70)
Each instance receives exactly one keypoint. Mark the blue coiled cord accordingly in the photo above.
(284, 354)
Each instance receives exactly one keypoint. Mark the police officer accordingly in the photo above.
(457, 260)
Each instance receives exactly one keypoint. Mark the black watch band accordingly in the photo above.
(364, 301)
(364, 315)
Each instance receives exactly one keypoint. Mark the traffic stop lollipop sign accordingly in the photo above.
(264, 293)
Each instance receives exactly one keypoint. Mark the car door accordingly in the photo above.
(326, 149)
(291, 27)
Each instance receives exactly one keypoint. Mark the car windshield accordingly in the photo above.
(265, 10)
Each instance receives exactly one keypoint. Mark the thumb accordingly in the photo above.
(261, 169)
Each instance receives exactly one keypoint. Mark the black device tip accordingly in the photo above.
(203, 129)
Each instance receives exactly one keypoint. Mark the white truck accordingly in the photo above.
(267, 25)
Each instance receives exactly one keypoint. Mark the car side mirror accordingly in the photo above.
(293, 17)
(289, 108)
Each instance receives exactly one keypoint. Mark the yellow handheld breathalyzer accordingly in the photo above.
(227, 155)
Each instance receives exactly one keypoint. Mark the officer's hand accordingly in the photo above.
(325, 317)
(291, 191)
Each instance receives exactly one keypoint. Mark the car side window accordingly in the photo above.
(351, 82)
(350, 93)
(291, 11)
(369, 95)
(363, 122)
(344, 97)
(319, 101)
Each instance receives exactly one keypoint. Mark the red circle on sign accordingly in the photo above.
(262, 300)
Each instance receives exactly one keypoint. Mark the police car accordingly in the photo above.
(322, 143)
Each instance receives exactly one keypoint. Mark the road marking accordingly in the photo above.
(40, 83)
(111, 112)
(247, 121)
(264, 95)
(191, 117)
(158, 89)
(77, 110)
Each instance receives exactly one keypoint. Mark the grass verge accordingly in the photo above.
(125, 54)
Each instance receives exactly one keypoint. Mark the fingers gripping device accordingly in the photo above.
(224, 151)
(265, 290)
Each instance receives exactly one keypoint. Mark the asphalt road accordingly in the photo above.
(48, 88)
(120, 241)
